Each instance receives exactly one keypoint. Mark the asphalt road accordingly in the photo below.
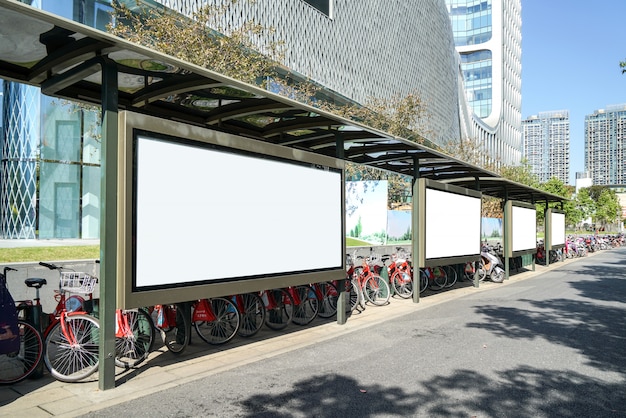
(553, 345)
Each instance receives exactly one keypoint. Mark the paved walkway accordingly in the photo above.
(46, 397)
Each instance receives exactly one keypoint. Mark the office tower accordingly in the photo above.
(487, 35)
(546, 145)
(605, 145)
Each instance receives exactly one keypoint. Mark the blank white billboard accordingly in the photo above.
(524, 228)
(206, 214)
(557, 229)
(452, 224)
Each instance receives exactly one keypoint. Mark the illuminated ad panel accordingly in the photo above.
(524, 228)
(200, 207)
(557, 228)
(452, 222)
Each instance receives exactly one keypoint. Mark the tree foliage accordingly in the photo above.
(203, 39)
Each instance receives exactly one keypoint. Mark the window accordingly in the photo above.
(323, 6)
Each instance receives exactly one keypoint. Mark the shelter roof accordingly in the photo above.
(40, 49)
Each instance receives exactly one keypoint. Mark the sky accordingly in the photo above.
(571, 50)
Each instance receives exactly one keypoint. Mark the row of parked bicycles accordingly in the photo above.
(579, 246)
(66, 340)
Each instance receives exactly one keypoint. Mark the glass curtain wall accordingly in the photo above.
(50, 152)
(472, 25)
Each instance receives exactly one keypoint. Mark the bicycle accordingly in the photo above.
(400, 275)
(435, 278)
(451, 276)
(472, 267)
(17, 366)
(305, 304)
(216, 320)
(251, 312)
(327, 296)
(278, 308)
(370, 286)
(173, 324)
(134, 333)
(71, 337)
(134, 337)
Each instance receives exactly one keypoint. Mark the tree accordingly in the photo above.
(584, 204)
(601, 204)
(608, 209)
(555, 186)
(622, 65)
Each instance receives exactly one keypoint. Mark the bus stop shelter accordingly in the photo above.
(69, 60)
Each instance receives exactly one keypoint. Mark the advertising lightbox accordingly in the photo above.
(214, 214)
(556, 224)
(522, 236)
(452, 219)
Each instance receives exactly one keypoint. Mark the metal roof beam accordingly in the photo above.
(171, 86)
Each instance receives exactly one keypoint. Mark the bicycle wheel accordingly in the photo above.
(423, 281)
(438, 278)
(20, 364)
(329, 296)
(306, 311)
(451, 275)
(224, 327)
(279, 309)
(252, 313)
(482, 271)
(402, 284)
(72, 355)
(377, 290)
(134, 348)
(352, 294)
(177, 332)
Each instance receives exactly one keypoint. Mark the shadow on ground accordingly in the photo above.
(520, 392)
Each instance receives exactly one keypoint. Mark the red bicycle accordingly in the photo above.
(71, 335)
(216, 320)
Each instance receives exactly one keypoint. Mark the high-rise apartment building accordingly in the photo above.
(488, 37)
(546, 145)
(605, 145)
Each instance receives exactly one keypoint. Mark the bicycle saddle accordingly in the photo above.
(37, 283)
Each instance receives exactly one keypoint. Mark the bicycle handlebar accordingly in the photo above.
(50, 266)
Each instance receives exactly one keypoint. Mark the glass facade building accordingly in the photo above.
(50, 161)
(546, 145)
(605, 145)
(50, 152)
(487, 35)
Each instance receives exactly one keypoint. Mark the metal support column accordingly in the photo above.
(342, 301)
(546, 239)
(108, 224)
(476, 281)
(415, 226)
(108, 201)
(505, 242)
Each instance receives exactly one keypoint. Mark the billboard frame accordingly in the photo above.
(508, 229)
(420, 232)
(549, 221)
(128, 295)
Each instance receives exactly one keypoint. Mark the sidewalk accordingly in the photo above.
(46, 397)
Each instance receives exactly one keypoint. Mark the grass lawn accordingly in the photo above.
(26, 254)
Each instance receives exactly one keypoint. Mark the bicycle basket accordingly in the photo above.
(77, 282)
